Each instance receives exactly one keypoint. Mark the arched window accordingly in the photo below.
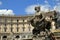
(17, 36)
(4, 36)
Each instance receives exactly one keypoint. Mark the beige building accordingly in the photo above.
(15, 28)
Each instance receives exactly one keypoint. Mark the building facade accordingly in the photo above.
(19, 27)
(15, 28)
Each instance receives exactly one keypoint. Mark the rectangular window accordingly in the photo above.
(5, 28)
(29, 27)
(17, 21)
(23, 28)
(23, 20)
(17, 29)
(11, 27)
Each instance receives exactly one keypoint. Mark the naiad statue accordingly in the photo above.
(41, 22)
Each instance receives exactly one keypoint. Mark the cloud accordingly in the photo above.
(58, 3)
(0, 3)
(46, 1)
(6, 12)
(57, 7)
(30, 9)
(45, 8)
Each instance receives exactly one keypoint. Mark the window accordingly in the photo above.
(5, 24)
(17, 21)
(5, 28)
(17, 36)
(23, 20)
(29, 27)
(11, 27)
(4, 36)
(23, 28)
(17, 29)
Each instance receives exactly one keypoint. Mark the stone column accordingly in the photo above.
(1, 37)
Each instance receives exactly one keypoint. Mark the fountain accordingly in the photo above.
(43, 23)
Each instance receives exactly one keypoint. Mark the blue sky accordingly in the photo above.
(19, 6)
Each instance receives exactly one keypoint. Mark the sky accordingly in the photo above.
(24, 7)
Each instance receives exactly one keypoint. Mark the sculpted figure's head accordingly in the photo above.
(37, 8)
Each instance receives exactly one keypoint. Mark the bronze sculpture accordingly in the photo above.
(42, 22)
